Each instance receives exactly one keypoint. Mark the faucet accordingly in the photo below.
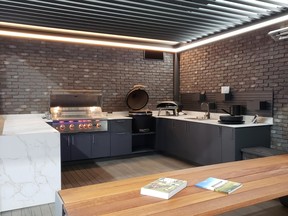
(207, 114)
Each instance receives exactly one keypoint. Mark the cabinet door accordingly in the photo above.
(121, 144)
(101, 144)
(161, 134)
(205, 143)
(65, 147)
(178, 142)
(81, 146)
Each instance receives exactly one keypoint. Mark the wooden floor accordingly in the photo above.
(95, 172)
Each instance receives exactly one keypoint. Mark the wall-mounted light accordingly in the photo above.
(232, 33)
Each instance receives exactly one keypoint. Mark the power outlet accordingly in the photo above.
(225, 89)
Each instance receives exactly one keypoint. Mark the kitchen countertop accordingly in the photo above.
(193, 116)
(25, 124)
(215, 121)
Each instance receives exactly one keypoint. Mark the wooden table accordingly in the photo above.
(263, 179)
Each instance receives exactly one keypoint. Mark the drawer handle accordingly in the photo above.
(121, 133)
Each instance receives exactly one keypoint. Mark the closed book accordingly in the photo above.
(219, 185)
(163, 187)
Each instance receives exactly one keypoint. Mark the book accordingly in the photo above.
(219, 185)
(163, 187)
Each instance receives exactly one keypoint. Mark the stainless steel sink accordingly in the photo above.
(196, 118)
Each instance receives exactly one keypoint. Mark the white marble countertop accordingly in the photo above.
(34, 123)
(117, 115)
(25, 124)
(214, 118)
(194, 116)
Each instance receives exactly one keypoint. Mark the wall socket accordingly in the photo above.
(225, 89)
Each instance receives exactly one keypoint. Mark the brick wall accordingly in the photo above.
(30, 69)
(252, 61)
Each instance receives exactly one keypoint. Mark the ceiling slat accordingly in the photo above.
(173, 20)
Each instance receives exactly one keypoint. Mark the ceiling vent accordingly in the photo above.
(280, 34)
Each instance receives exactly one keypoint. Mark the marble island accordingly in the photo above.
(30, 164)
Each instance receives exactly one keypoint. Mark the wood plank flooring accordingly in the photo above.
(94, 172)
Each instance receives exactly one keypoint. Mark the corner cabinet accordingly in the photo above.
(205, 144)
(121, 136)
(197, 143)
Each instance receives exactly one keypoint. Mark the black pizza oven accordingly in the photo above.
(142, 120)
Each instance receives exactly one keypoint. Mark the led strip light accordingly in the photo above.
(43, 36)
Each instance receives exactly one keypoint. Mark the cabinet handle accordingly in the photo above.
(93, 139)
(121, 133)
(120, 121)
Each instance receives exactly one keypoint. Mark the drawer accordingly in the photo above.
(120, 125)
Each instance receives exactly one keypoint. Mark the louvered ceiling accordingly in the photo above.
(172, 20)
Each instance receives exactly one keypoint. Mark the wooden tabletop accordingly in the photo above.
(263, 179)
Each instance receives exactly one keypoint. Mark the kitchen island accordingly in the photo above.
(30, 164)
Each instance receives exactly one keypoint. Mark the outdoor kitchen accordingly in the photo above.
(122, 110)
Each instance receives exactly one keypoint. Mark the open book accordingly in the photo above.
(163, 187)
(219, 185)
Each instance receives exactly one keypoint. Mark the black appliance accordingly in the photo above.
(231, 118)
(173, 106)
(142, 120)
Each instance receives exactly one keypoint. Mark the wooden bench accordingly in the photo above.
(263, 179)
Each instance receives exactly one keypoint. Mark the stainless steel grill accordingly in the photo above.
(77, 111)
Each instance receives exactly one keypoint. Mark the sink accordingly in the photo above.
(196, 118)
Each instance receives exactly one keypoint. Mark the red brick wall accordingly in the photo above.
(29, 69)
(252, 61)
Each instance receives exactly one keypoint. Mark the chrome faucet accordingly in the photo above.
(207, 114)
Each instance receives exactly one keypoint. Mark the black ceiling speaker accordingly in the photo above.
(153, 55)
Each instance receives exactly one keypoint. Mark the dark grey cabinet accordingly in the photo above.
(65, 147)
(171, 136)
(234, 139)
(161, 133)
(81, 146)
(205, 144)
(100, 144)
(120, 137)
(75, 146)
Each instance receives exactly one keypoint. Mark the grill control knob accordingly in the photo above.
(90, 125)
(98, 125)
(80, 126)
(71, 126)
(85, 126)
(62, 127)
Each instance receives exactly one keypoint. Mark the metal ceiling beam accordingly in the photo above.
(114, 15)
(86, 19)
(125, 12)
(180, 20)
(152, 8)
